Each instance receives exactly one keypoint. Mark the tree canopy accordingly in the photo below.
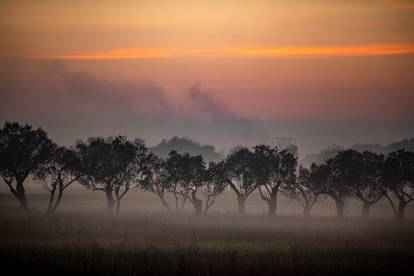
(22, 151)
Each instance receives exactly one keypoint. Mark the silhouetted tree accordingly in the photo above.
(157, 180)
(113, 165)
(273, 170)
(344, 173)
(214, 183)
(399, 180)
(185, 173)
(307, 188)
(62, 170)
(22, 151)
(370, 187)
(239, 176)
(137, 171)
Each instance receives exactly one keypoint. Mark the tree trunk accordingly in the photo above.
(306, 210)
(401, 210)
(209, 203)
(21, 196)
(197, 203)
(109, 200)
(59, 198)
(51, 198)
(365, 209)
(182, 203)
(340, 207)
(197, 207)
(176, 202)
(241, 200)
(206, 210)
(118, 206)
(272, 203)
(164, 203)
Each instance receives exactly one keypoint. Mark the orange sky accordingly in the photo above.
(228, 27)
(280, 60)
(239, 52)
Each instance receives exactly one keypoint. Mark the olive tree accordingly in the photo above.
(344, 173)
(399, 180)
(238, 174)
(307, 188)
(113, 165)
(369, 188)
(185, 172)
(273, 171)
(62, 170)
(214, 183)
(22, 151)
(157, 180)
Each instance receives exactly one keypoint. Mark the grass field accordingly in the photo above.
(81, 239)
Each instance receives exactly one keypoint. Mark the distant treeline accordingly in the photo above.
(186, 145)
(325, 154)
(116, 165)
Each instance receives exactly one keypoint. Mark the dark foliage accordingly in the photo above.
(22, 151)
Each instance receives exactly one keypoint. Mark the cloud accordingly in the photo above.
(138, 53)
(204, 103)
(49, 90)
(76, 104)
(46, 89)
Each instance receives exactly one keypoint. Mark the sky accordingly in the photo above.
(222, 72)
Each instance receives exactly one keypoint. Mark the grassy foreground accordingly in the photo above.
(159, 244)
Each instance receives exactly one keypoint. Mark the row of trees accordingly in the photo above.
(366, 176)
(117, 165)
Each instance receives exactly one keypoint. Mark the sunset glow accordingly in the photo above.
(243, 137)
(240, 52)
(165, 68)
(113, 54)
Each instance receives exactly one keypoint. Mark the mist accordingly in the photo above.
(206, 137)
(71, 103)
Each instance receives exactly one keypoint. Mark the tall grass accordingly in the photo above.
(93, 242)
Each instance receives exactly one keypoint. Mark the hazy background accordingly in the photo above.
(221, 72)
(330, 73)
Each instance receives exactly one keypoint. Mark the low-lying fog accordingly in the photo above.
(76, 200)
